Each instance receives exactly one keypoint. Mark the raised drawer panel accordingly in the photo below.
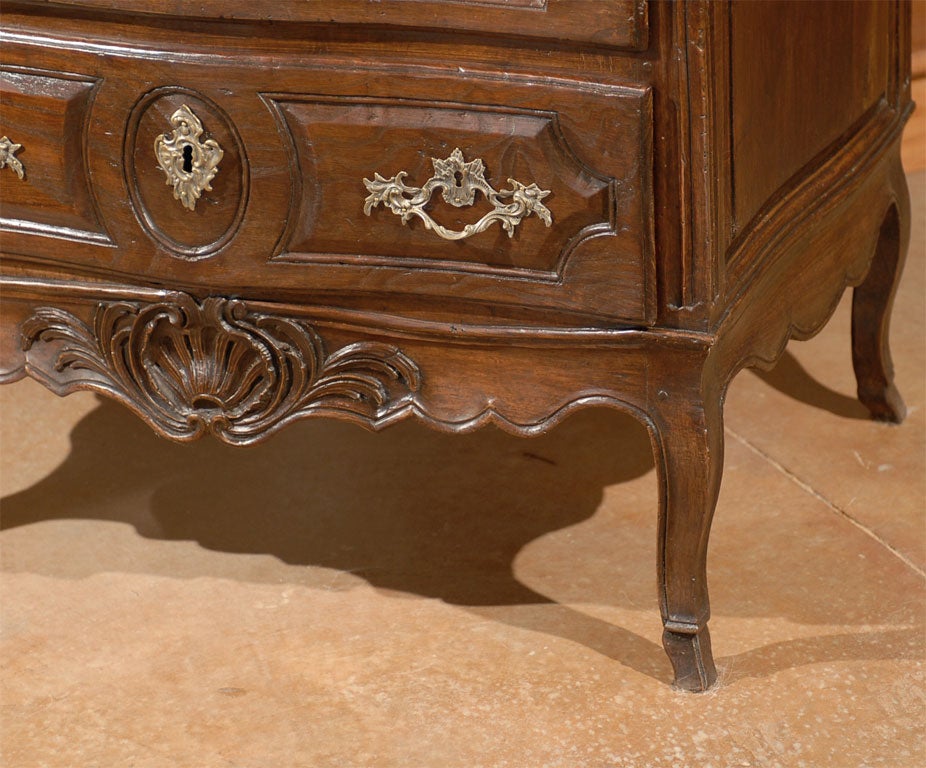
(45, 114)
(334, 141)
(591, 153)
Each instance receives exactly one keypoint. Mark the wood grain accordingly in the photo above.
(617, 23)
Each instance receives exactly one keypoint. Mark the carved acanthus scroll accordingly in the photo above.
(190, 367)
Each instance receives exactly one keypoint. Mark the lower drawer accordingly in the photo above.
(344, 178)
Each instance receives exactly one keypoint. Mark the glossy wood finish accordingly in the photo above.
(195, 234)
(312, 133)
(871, 312)
(776, 97)
(697, 224)
(617, 23)
(592, 152)
(50, 109)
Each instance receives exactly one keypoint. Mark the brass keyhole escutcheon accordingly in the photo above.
(189, 163)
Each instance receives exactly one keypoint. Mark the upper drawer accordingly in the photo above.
(615, 23)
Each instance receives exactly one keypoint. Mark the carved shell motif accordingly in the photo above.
(188, 367)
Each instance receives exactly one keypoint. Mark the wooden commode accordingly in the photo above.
(232, 214)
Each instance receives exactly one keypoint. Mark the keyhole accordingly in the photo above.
(188, 159)
(458, 178)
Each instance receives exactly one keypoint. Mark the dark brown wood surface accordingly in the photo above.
(617, 23)
(50, 109)
(787, 112)
(718, 173)
(286, 209)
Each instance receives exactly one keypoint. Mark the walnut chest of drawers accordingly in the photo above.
(232, 214)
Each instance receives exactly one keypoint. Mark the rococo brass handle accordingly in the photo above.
(8, 149)
(190, 164)
(458, 181)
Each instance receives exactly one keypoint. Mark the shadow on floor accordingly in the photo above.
(790, 378)
(408, 510)
(418, 512)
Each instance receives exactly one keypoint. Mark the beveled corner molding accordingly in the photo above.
(189, 367)
(458, 181)
(189, 163)
(8, 150)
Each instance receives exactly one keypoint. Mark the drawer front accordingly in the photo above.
(587, 147)
(617, 23)
(285, 209)
(44, 185)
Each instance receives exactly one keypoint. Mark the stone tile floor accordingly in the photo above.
(411, 599)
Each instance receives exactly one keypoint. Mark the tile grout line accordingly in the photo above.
(820, 497)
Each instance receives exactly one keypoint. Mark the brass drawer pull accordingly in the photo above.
(190, 164)
(7, 151)
(458, 181)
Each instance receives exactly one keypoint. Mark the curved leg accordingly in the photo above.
(690, 459)
(871, 310)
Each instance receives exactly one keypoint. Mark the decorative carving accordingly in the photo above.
(190, 164)
(7, 151)
(458, 181)
(190, 367)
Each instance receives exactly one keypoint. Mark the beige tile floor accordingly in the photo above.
(411, 599)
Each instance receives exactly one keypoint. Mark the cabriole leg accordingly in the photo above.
(689, 439)
(871, 310)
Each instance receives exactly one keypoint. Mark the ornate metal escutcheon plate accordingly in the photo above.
(189, 163)
(201, 158)
(458, 181)
(8, 150)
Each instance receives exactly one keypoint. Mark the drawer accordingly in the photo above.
(286, 212)
(44, 186)
(619, 24)
(587, 146)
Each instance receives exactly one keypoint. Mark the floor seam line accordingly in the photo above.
(807, 488)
